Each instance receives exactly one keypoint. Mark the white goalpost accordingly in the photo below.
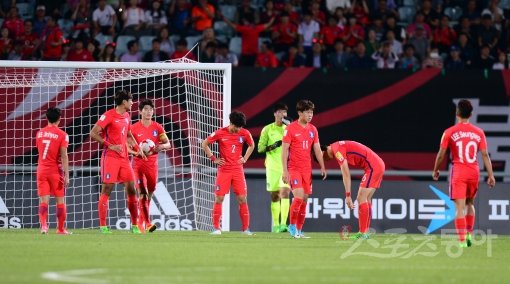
(191, 101)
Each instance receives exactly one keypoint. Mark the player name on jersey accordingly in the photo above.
(461, 134)
(44, 134)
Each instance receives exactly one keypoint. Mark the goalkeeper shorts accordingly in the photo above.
(274, 181)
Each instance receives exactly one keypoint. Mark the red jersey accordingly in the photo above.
(266, 60)
(231, 146)
(49, 140)
(284, 30)
(83, 55)
(115, 130)
(301, 140)
(356, 154)
(464, 141)
(330, 34)
(16, 26)
(154, 132)
(250, 38)
(51, 51)
(28, 41)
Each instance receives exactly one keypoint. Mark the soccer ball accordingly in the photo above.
(147, 146)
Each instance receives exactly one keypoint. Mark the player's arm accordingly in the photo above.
(134, 146)
(247, 154)
(65, 164)
(209, 153)
(264, 137)
(164, 143)
(318, 154)
(439, 160)
(285, 156)
(95, 134)
(491, 181)
(346, 177)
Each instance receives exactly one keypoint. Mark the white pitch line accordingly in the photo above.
(75, 276)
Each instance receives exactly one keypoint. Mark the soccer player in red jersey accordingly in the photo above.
(112, 130)
(464, 141)
(146, 170)
(299, 138)
(52, 170)
(230, 167)
(358, 155)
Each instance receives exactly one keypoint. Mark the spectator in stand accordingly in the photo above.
(167, 44)
(308, 30)
(434, 60)
(13, 23)
(360, 10)
(338, 58)
(340, 17)
(207, 37)
(330, 33)
(6, 43)
(52, 39)
(78, 52)
(40, 20)
(93, 46)
(467, 51)
(294, 16)
(202, 15)
(385, 58)
(428, 11)
(293, 58)
(408, 60)
(156, 17)
(182, 51)
(155, 54)
(398, 31)
(132, 55)
(383, 11)
(396, 46)
(420, 42)
(179, 13)
(318, 59)
(225, 56)
(16, 52)
(268, 12)
(80, 17)
(317, 14)
(134, 20)
(371, 43)
(419, 21)
(464, 27)
(496, 13)
(454, 62)
(472, 12)
(353, 33)
(250, 38)
(266, 57)
(484, 60)
(208, 53)
(29, 42)
(108, 53)
(332, 5)
(378, 27)
(502, 62)
(284, 33)
(245, 10)
(359, 60)
(488, 35)
(444, 36)
(104, 19)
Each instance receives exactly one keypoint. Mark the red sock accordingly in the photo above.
(460, 225)
(470, 223)
(147, 211)
(244, 213)
(133, 208)
(43, 214)
(364, 216)
(217, 215)
(295, 207)
(61, 216)
(369, 215)
(141, 212)
(302, 216)
(102, 207)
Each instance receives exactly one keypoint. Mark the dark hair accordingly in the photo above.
(237, 118)
(144, 103)
(280, 106)
(408, 46)
(464, 108)
(304, 105)
(156, 40)
(122, 95)
(182, 42)
(131, 43)
(53, 114)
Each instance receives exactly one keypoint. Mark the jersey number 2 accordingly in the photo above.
(464, 152)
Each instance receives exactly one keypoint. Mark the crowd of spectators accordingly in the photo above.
(344, 34)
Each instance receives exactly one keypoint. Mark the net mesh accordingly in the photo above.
(189, 104)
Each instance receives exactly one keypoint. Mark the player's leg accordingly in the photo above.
(364, 197)
(127, 177)
(284, 206)
(222, 187)
(272, 178)
(307, 188)
(298, 192)
(458, 195)
(59, 193)
(102, 206)
(43, 191)
(472, 189)
(370, 182)
(151, 180)
(140, 185)
(240, 189)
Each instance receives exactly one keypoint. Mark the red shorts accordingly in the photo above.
(145, 176)
(463, 185)
(301, 179)
(114, 170)
(373, 173)
(225, 179)
(52, 185)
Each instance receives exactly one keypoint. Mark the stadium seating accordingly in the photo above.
(229, 11)
(146, 43)
(192, 40)
(454, 13)
(103, 39)
(410, 3)
(66, 26)
(25, 10)
(122, 44)
(406, 14)
(222, 28)
(235, 45)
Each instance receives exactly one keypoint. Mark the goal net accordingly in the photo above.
(191, 101)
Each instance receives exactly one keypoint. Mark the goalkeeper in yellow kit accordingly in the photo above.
(270, 143)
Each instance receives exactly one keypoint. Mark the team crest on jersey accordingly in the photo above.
(241, 140)
(127, 121)
(154, 133)
(107, 176)
(311, 134)
(295, 181)
(217, 188)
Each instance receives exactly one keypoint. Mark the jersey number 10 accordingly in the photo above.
(471, 147)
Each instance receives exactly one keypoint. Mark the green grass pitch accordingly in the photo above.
(196, 257)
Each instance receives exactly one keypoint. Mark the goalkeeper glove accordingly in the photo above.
(274, 146)
(286, 120)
